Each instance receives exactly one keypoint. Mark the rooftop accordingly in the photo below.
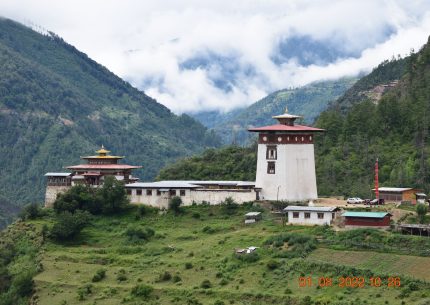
(57, 174)
(188, 184)
(287, 128)
(393, 189)
(310, 209)
(102, 166)
(103, 154)
(366, 214)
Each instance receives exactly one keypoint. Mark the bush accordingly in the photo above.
(100, 274)
(188, 265)
(84, 291)
(22, 284)
(229, 206)
(164, 277)
(31, 211)
(176, 278)
(196, 215)
(422, 210)
(208, 230)
(121, 277)
(272, 264)
(135, 233)
(248, 258)
(69, 225)
(206, 284)
(142, 290)
(219, 302)
(175, 204)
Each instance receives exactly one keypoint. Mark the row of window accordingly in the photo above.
(308, 215)
(158, 192)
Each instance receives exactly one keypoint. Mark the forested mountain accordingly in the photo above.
(386, 115)
(308, 101)
(56, 104)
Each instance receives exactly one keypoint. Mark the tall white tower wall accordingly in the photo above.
(294, 178)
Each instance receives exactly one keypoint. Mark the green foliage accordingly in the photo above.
(299, 245)
(206, 284)
(272, 264)
(227, 163)
(31, 211)
(69, 225)
(136, 233)
(84, 291)
(142, 291)
(110, 198)
(57, 104)
(248, 257)
(422, 210)
(100, 274)
(164, 277)
(175, 204)
(188, 265)
(229, 206)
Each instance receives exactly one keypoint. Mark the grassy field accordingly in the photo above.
(190, 260)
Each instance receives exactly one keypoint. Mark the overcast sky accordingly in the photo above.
(205, 55)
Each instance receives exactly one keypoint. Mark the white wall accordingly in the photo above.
(310, 221)
(51, 194)
(294, 175)
(197, 196)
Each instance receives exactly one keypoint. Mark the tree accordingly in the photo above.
(422, 210)
(112, 195)
(175, 204)
(69, 225)
(78, 197)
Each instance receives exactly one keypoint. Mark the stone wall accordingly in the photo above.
(51, 194)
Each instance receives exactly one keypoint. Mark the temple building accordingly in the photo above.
(286, 161)
(285, 171)
(91, 173)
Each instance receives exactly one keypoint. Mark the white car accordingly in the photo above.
(354, 200)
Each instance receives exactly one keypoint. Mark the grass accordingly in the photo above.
(201, 263)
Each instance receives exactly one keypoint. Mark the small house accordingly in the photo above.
(399, 194)
(304, 215)
(252, 217)
(367, 219)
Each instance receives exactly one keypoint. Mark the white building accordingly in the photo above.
(158, 194)
(303, 215)
(285, 160)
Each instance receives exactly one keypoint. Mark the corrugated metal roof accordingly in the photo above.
(421, 194)
(393, 189)
(310, 209)
(253, 214)
(188, 183)
(366, 214)
(58, 174)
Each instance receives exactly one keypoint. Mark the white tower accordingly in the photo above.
(285, 160)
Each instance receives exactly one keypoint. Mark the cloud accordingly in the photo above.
(205, 55)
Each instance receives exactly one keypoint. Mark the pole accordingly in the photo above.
(377, 180)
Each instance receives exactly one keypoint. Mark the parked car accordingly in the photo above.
(353, 200)
(377, 202)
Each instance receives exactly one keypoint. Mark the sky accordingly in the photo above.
(219, 55)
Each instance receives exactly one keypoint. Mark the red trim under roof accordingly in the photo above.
(282, 127)
(103, 166)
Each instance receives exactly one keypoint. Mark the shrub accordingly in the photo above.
(164, 277)
(176, 278)
(68, 225)
(422, 210)
(100, 274)
(143, 291)
(84, 291)
(196, 215)
(22, 284)
(31, 211)
(248, 258)
(272, 264)
(219, 302)
(229, 206)
(134, 233)
(208, 230)
(206, 284)
(175, 204)
(121, 277)
(188, 265)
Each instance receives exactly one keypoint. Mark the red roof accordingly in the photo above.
(103, 166)
(282, 127)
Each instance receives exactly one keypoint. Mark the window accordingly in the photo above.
(139, 192)
(270, 167)
(271, 152)
(148, 192)
(128, 192)
(295, 214)
(158, 193)
(307, 215)
(333, 215)
(182, 192)
(172, 192)
(320, 215)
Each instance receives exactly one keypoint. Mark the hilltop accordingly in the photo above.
(57, 104)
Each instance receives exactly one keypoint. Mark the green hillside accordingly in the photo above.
(56, 104)
(393, 129)
(308, 101)
(194, 261)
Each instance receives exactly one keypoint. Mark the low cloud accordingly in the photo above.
(194, 55)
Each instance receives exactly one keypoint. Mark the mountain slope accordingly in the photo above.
(57, 104)
(309, 101)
